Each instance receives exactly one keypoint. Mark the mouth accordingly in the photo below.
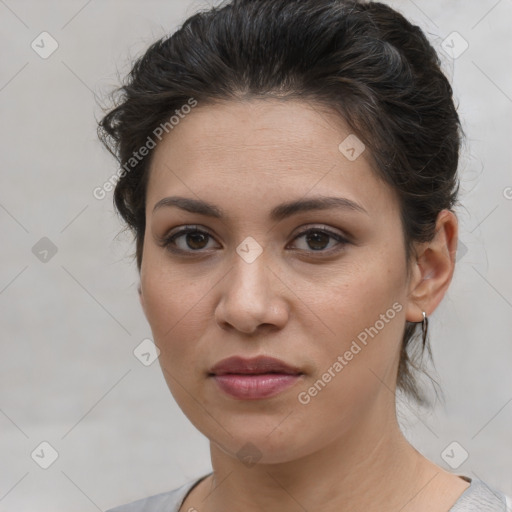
(254, 379)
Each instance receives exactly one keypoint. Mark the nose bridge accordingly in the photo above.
(249, 275)
(250, 296)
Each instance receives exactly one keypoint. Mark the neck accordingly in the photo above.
(365, 469)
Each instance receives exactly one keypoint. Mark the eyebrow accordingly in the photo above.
(278, 213)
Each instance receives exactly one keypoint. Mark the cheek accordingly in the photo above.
(356, 366)
(172, 301)
(356, 299)
(365, 312)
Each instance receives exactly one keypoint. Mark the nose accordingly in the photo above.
(253, 298)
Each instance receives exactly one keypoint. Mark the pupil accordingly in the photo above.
(195, 237)
(315, 238)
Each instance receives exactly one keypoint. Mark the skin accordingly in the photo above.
(344, 449)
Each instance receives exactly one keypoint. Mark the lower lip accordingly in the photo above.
(254, 387)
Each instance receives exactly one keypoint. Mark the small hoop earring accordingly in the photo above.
(424, 328)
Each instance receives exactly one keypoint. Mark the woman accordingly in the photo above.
(288, 168)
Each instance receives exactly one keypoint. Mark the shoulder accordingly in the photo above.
(480, 497)
(169, 501)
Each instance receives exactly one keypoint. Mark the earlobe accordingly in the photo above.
(434, 267)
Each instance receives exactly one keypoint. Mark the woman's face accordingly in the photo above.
(248, 280)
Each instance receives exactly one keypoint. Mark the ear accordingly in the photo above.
(433, 269)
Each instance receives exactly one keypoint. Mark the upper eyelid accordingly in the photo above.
(300, 231)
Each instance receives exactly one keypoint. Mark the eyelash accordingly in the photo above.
(168, 241)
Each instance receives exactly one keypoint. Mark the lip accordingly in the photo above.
(254, 379)
(254, 366)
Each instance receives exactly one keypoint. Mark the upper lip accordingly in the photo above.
(257, 365)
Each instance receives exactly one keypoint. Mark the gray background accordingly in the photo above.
(70, 321)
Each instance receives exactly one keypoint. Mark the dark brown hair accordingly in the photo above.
(362, 60)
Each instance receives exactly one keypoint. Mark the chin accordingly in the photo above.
(260, 442)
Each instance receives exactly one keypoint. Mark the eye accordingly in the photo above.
(188, 239)
(317, 240)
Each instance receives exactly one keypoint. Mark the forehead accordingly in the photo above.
(261, 150)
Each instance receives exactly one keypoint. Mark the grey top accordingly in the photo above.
(478, 497)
